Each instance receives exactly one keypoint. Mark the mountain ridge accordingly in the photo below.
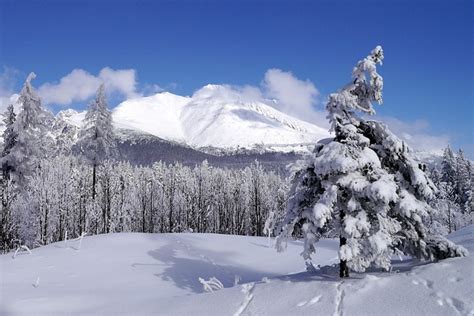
(211, 118)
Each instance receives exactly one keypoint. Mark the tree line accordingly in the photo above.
(58, 200)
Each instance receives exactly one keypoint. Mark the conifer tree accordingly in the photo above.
(30, 130)
(448, 167)
(9, 141)
(363, 184)
(463, 182)
(96, 137)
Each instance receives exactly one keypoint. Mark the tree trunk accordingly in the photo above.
(343, 268)
(94, 167)
(449, 219)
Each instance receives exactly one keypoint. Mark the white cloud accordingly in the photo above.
(121, 80)
(299, 98)
(417, 134)
(79, 85)
(8, 78)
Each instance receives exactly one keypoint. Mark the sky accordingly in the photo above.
(296, 52)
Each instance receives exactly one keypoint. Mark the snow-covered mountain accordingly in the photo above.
(212, 117)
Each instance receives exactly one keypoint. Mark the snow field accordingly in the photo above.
(158, 274)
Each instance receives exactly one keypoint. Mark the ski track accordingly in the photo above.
(457, 305)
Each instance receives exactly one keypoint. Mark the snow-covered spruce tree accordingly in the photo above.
(96, 139)
(448, 167)
(8, 231)
(7, 188)
(30, 130)
(9, 140)
(463, 182)
(363, 184)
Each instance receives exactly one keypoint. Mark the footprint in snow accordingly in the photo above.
(314, 300)
(454, 279)
(301, 304)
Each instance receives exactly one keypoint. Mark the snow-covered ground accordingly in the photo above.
(135, 274)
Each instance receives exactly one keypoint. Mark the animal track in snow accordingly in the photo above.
(441, 298)
(339, 299)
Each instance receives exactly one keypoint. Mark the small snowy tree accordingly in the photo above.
(96, 139)
(364, 184)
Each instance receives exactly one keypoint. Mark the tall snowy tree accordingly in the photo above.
(448, 167)
(364, 184)
(96, 139)
(463, 182)
(30, 130)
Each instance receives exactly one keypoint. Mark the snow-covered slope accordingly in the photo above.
(158, 274)
(212, 117)
(216, 118)
(158, 115)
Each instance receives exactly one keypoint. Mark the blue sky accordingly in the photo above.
(183, 45)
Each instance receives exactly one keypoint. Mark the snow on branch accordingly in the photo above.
(78, 239)
(211, 285)
(24, 248)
